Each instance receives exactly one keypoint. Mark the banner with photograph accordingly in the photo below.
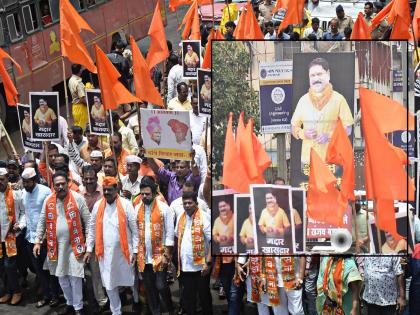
(273, 215)
(24, 117)
(166, 134)
(299, 216)
(389, 245)
(45, 111)
(323, 92)
(191, 58)
(204, 95)
(96, 112)
(245, 241)
(405, 139)
(222, 222)
(276, 96)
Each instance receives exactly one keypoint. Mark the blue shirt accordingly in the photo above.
(330, 36)
(33, 205)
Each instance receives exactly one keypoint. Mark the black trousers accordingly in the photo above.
(156, 284)
(194, 283)
(373, 309)
(8, 274)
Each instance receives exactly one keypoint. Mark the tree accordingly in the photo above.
(232, 92)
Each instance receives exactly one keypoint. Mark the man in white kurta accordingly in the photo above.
(116, 270)
(67, 267)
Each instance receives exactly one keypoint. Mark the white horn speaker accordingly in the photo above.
(341, 240)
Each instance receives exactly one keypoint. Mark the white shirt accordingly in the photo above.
(310, 31)
(19, 213)
(198, 125)
(168, 227)
(134, 188)
(186, 250)
(201, 161)
(174, 77)
(177, 207)
(63, 129)
(269, 36)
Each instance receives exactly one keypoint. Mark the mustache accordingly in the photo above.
(58, 190)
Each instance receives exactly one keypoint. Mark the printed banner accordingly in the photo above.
(204, 88)
(45, 111)
(24, 117)
(166, 134)
(245, 227)
(273, 214)
(191, 58)
(222, 222)
(96, 112)
(276, 96)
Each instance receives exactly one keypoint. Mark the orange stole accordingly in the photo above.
(77, 239)
(338, 284)
(288, 272)
(122, 222)
(264, 268)
(197, 236)
(10, 241)
(156, 232)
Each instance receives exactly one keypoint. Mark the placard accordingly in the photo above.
(96, 112)
(245, 227)
(44, 115)
(222, 220)
(191, 58)
(24, 117)
(204, 95)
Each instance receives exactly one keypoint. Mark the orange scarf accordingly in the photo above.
(10, 241)
(77, 240)
(156, 232)
(288, 272)
(255, 273)
(122, 222)
(337, 291)
(270, 273)
(320, 101)
(197, 237)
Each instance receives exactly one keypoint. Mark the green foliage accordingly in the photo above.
(231, 93)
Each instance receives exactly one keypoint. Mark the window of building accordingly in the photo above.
(2, 32)
(30, 18)
(14, 26)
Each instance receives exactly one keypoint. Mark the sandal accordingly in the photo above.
(41, 303)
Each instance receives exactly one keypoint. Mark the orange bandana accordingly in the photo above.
(320, 101)
(74, 223)
(10, 240)
(288, 272)
(197, 237)
(122, 223)
(336, 292)
(156, 232)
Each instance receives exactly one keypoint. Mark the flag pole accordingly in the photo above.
(205, 135)
(356, 227)
(111, 132)
(8, 137)
(415, 43)
(212, 16)
(47, 162)
(139, 121)
(378, 231)
(65, 90)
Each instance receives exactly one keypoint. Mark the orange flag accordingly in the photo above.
(416, 21)
(400, 29)
(214, 34)
(340, 152)
(72, 45)
(9, 87)
(192, 23)
(325, 203)
(145, 88)
(360, 29)
(385, 217)
(113, 91)
(385, 175)
(261, 157)
(400, 8)
(248, 27)
(281, 4)
(294, 14)
(234, 174)
(381, 15)
(158, 50)
(246, 150)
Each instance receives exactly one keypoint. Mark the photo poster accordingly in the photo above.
(272, 205)
(24, 117)
(96, 112)
(245, 241)
(299, 219)
(313, 117)
(191, 58)
(45, 111)
(276, 96)
(204, 92)
(390, 246)
(222, 222)
(166, 134)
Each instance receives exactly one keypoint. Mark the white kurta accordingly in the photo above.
(115, 270)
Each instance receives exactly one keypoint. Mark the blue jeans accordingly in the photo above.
(236, 296)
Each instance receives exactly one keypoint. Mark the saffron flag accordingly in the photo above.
(416, 21)
(214, 34)
(234, 174)
(340, 152)
(294, 14)
(145, 88)
(377, 19)
(400, 29)
(262, 159)
(360, 29)
(325, 203)
(158, 50)
(246, 151)
(191, 22)
(248, 27)
(113, 91)
(72, 45)
(9, 87)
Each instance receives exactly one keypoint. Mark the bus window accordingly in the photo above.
(45, 13)
(55, 8)
(8, 3)
(92, 3)
(2, 32)
(13, 24)
(30, 18)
